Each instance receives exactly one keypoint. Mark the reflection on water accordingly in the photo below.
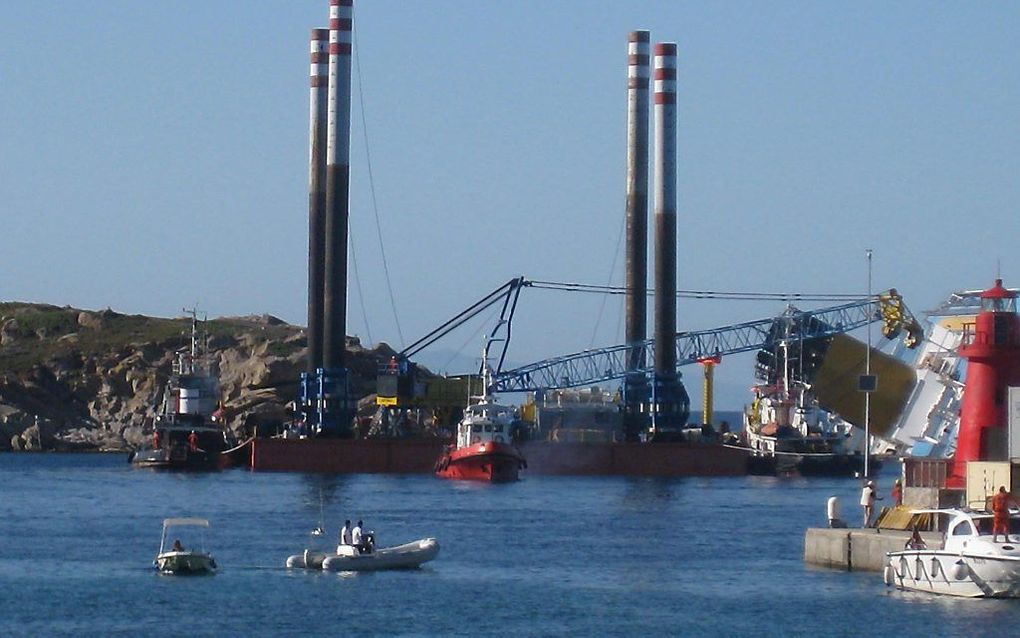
(649, 492)
(544, 556)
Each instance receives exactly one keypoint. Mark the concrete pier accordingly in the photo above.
(858, 549)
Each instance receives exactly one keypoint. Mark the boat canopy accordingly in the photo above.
(1013, 511)
(171, 522)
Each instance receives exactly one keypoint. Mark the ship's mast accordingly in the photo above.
(187, 364)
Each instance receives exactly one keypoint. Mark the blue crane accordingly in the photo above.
(607, 364)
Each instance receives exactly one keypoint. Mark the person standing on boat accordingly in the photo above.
(356, 537)
(868, 498)
(1000, 513)
(193, 441)
(345, 534)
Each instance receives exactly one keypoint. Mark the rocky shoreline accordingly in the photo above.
(78, 380)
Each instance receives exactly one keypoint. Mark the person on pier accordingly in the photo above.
(868, 497)
(897, 493)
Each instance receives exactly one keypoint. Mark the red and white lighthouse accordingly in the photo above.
(991, 347)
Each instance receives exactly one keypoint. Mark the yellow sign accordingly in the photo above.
(385, 400)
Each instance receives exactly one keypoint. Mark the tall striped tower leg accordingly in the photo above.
(636, 303)
(317, 193)
(669, 398)
(338, 151)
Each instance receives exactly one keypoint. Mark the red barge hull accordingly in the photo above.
(418, 456)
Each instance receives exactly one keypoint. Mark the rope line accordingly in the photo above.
(371, 184)
(612, 271)
(470, 338)
(357, 283)
(698, 294)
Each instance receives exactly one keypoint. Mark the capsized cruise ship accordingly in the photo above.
(927, 427)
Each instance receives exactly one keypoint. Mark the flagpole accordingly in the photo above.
(867, 392)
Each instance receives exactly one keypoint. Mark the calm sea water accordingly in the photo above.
(545, 556)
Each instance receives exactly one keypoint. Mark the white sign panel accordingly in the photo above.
(1014, 424)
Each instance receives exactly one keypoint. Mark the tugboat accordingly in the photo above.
(788, 433)
(187, 433)
(484, 449)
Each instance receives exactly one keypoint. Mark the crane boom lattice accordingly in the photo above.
(607, 364)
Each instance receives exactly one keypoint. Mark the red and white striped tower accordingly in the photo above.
(669, 397)
(636, 303)
(338, 152)
(317, 193)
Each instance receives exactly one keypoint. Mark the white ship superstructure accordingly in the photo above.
(928, 424)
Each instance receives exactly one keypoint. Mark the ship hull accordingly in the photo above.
(492, 462)
(418, 456)
(176, 452)
(164, 459)
(835, 465)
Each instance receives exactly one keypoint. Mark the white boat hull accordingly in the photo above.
(954, 573)
(407, 556)
(185, 563)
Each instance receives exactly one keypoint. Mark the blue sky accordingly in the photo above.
(154, 155)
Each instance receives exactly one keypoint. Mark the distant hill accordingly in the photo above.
(80, 379)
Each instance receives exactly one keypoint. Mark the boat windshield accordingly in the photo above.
(984, 525)
(183, 534)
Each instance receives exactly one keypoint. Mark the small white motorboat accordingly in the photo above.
(350, 558)
(181, 559)
(969, 564)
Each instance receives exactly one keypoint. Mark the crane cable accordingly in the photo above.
(698, 294)
(470, 338)
(371, 184)
(612, 271)
(357, 283)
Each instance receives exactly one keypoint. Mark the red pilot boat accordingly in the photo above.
(484, 450)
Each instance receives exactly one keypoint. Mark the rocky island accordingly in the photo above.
(73, 379)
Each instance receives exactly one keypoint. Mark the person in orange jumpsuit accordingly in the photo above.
(193, 441)
(897, 493)
(1000, 512)
(155, 440)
